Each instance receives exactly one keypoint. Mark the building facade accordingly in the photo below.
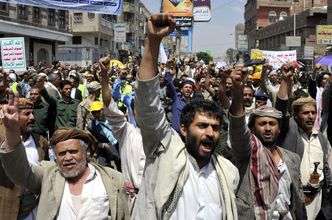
(43, 30)
(239, 30)
(329, 12)
(262, 13)
(273, 37)
(93, 35)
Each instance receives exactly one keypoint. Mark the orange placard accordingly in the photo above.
(178, 8)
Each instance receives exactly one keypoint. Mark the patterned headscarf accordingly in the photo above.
(264, 111)
(24, 103)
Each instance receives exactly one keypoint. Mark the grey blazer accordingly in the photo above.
(241, 152)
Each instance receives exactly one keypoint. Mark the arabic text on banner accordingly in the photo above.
(13, 54)
(96, 6)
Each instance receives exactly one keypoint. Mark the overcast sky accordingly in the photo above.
(218, 34)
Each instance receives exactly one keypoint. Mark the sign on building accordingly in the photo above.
(97, 6)
(202, 10)
(324, 34)
(120, 33)
(309, 52)
(293, 41)
(13, 54)
(182, 11)
(275, 58)
(242, 43)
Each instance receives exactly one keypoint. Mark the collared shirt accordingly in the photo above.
(91, 204)
(31, 150)
(313, 152)
(66, 113)
(200, 197)
(107, 129)
(283, 199)
(42, 117)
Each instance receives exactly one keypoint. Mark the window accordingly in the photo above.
(3, 7)
(78, 18)
(36, 14)
(62, 18)
(283, 15)
(51, 17)
(272, 16)
(91, 15)
(22, 11)
(77, 40)
(96, 41)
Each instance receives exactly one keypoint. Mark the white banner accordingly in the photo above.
(96, 6)
(275, 58)
(120, 33)
(13, 54)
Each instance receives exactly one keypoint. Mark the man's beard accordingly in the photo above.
(192, 146)
(79, 169)
(247, 103)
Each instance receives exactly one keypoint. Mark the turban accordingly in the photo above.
(63, 134)
(302, 101)
(265, 111)
(24, 103)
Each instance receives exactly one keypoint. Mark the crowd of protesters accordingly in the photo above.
(177, 140)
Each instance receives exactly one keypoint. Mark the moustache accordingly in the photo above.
(70, 162)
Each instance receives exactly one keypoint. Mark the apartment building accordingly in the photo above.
(93, 35)
(262, 13)
(43, 30)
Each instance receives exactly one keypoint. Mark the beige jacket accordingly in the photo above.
(167, 161)
(47, 181)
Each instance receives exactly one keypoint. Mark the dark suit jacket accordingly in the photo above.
(241, 153)
(10, 192)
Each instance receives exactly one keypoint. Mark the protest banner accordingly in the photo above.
(274, 58)
(13, 54)
(96, 6)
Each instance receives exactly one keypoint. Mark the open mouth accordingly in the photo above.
(207, 145)
(267, 136)
(310, 123)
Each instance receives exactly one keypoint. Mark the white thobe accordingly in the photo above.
(200, 198)
(92, 204)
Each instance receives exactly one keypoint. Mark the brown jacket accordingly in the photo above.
(10, 192)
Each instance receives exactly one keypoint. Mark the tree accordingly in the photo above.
(204, 56)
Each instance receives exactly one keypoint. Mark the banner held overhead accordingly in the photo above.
(95, 6)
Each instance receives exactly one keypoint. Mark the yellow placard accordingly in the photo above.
(256, 54)
(178, 8)
(324, 34)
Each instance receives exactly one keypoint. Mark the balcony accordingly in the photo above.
(274, 3)
(106, 23)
